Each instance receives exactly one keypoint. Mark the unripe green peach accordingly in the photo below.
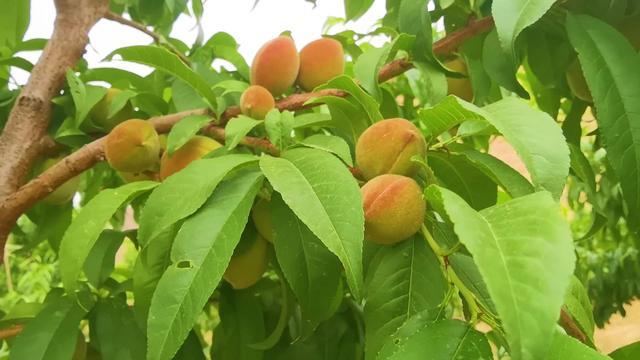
(100, 112)
(276, 65)
(577, 83)
(133, 146)
(262, 219)
(246, 268)
(320, 61)
(460, 87)
(393, 208)
(194, 149)
(387, 147)
(256, 102)
(64, 193)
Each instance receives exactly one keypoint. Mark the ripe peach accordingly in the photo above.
(63, 193)
(129, 177)
(387, 147)
(194, 149)
(320, 61)
(100, 112)
(256, 102)
(246, 268)
(276, 65)
(132, 146)
(393, 208)
(262, 219)
(460, 87)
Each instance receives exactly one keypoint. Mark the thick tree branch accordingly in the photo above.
(29, 118)
(157, 38)
(87, 156)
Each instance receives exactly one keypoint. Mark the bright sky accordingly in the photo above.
(250, 28)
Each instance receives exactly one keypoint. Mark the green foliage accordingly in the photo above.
(139, 268)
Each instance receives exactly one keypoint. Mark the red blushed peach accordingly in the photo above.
(276, 65)
(256, 102)
(393, 208)
(193, 150)
(387, 147)
(320, 61)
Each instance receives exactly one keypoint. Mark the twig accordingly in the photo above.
(21, 200)
(10, 331)
(570, 326)
(265, 145)
(157, 38)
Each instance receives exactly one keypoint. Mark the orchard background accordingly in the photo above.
(459, 180)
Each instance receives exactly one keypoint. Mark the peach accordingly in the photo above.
(460, 87)
(129, 177)
(276, 65)
(133, 146)
(100, 111)
(320, 61)
(387, 147)
(393, 208)
(194, 149)
(256, 102)
(64, 193)
(261, 216)
(246, 268)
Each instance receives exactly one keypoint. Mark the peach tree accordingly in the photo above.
(329, 200)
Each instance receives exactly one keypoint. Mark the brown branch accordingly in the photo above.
(10, 331)
(264, 145)
(570, 326)
(29, 117)
(84, 158)
(157, 38)
(451, 42)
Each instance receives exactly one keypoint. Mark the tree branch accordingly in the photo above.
(29, 117)
(157, 38)
(10, 331)
(87, 156)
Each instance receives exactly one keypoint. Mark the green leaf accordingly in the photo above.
(629, 352)
(524, 251)
(241, 324)
(116, 330)
(414, 19)
(279, 126)
(237, 128)
(18, 62)
(445, 115)
(14, 20)
(347, 117)
(460, 175)
(325, 196)
(501, 69)
(51, 335)
(164, 60)
(565, 347)
(577, 304)
(313, 272)
(537, 139)
(330, 143)
(84, 97)
(502, 174)
(402, 280)
(101, 259)
(354, 9)
(370, 106)
(191, 349)
(468, 272)
(610, 66)
(120, 101)
(184, 97)
(224, 46)
(513, 16)
(181, 194)
(200, 254)
(442, 340)
(117, 77)
(184, 130)
(311, 119)
(86, 227)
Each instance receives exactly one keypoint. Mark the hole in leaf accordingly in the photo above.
(184, 264)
